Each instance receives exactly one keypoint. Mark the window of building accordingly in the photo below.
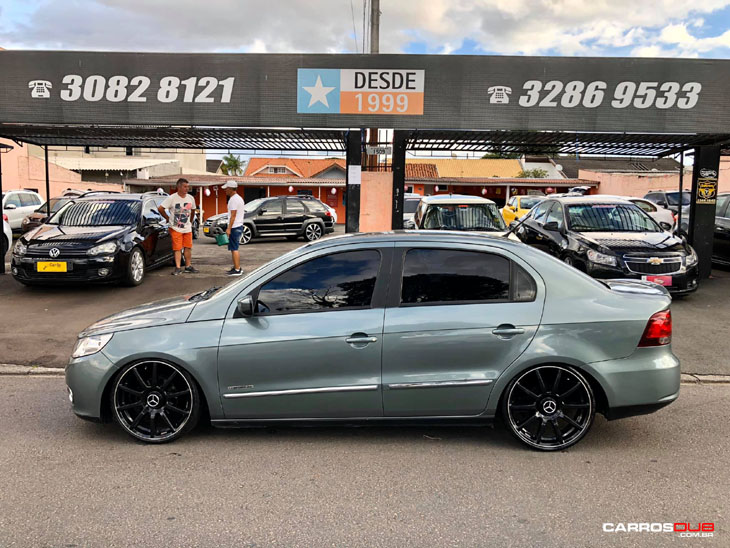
(277, 169)
(444, 276)
(341, 280)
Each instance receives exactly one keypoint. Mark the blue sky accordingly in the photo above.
(666, 28)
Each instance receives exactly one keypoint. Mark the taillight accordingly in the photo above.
(328, 213)
(5, 218)
(658, 330)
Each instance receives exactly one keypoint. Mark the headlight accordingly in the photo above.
(109, 247)
(692, 257)
(90, 345)
(601, 258)
(20, 248)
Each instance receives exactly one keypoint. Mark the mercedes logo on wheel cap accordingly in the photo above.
(54, 252)
(153, 400)
(549, 406)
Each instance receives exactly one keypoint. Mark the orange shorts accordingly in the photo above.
(180, 240)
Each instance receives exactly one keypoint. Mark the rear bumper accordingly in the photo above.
(642, 383)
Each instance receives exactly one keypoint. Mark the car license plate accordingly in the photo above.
(661, 280)
(52, 266)
(206, 229)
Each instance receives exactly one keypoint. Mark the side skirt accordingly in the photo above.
(356, 421)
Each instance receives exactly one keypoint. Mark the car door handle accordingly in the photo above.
(360, 339)
(507, 330)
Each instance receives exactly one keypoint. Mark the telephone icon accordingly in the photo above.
(40, 89)
(499, 94)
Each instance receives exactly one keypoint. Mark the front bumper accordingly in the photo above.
(683, 282)
(86, 378)
(639, 384)
(80, 269)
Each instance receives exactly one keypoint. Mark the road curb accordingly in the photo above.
(33, 370)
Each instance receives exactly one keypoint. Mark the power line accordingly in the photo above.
(354, 29)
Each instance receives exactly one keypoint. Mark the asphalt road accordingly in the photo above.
(66, 482)
(38, 325)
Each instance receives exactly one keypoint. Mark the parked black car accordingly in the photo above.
(101, 238)
(288, 216)
(610, 238)
(721, 240)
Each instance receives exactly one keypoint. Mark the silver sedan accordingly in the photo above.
(393, 327)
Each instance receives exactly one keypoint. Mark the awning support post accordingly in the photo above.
(353, 176)
(681, 189)
(400, 140)
(702, 207)
(48, 185)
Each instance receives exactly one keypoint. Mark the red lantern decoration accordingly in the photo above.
(333, 191)
(207, 192)
(484, 191)
(291, 188)
(436, 188)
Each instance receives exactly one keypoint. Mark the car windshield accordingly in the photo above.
(56, 204)
(673, 198)
(98, 213)
(610, 218)
(464, 217)
(529, 203)
(410, 206)
(253, 205)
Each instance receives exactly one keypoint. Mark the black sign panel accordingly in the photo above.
(340, 91)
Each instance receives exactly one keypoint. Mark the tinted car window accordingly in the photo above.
(272, 207)
(101, 213)
(410, 206)
(442, 276)
(341, 280)
(13, 199)
(464, 217)
(529, 202)
(646, 206)
(555, 215)
(294, 206)
(315, 205)
(722, 203)
(673, 198)
(28, 200)
(610, 218)
(538, 214)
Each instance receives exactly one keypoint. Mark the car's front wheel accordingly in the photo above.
(549, 407)
(313, 232)
(155, 402)
(135, 267)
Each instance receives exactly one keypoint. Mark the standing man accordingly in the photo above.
(235, 225)
(182, 207)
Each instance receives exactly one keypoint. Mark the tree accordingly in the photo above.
(536, 173)
(232, 165)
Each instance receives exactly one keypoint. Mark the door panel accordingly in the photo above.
(272, 219)
(294, 215)
(289, 352)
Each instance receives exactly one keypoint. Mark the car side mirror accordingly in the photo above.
(11, 206)
(552, 226)
(262, 211)
(244, 307)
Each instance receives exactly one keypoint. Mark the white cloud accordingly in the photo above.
(568, 27)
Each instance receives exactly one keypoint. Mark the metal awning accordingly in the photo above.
(107, 164)
(562, 142)
(286, 139)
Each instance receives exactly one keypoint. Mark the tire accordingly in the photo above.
(567, 259)
(313, 232)
(549, 407)
(136, 268)
(246, 235)
(154, 401)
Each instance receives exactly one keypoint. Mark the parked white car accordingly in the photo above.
(7, 238)
(17, 204)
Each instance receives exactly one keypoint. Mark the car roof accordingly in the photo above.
(455, 199)
(591, 199)
(113, 196)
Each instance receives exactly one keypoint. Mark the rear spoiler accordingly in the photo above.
(636, 287)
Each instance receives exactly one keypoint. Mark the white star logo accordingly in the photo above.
(318, 92)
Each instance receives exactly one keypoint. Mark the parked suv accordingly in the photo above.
(101, 238)
(19, 203)
(668, 198)
(289, 216)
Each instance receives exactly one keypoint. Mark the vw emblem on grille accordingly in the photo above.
(153, 400)
(54, 252)
(549, 406)
(656, 261)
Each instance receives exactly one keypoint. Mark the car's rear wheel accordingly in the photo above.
(135, 267)
(246, 235)
(313, 232)
(549, 407)
(155, 402)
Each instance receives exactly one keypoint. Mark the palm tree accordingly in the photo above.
(232, 165)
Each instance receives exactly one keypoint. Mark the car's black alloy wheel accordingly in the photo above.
(313, 231)
(549, 407)
(155, 401)
(246, 235)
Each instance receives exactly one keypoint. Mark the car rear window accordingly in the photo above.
(99, 213)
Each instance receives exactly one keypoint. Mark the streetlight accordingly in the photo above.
(4, 149)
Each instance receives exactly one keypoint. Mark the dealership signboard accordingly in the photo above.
(340, 91)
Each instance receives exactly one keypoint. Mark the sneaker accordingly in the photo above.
(177, 271)
(234, 272)
(191, 270)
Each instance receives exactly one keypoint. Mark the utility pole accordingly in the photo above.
(372, 161)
